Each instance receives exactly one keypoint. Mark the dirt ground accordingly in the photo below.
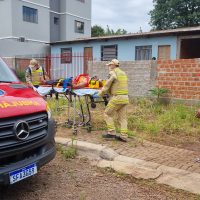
(184, 141)
(78, 180)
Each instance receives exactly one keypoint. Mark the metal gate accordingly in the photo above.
(66, 65)
(56, 66)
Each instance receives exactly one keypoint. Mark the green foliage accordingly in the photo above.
(175, 14)
(57, 106)
(159, 92)
(99, 31)
(68, 152)
(112, 32)
(155, 119)
(21, 75)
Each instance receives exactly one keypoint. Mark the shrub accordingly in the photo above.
(159, 92)
(21, 75)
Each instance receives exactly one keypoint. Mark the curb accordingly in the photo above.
(106, 157)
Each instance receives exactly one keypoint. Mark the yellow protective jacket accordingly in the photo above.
(116, 86)
(34, 76)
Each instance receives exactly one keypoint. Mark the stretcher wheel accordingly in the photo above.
(93, 105)
(69, 124)
(89, 129)
(75, 132)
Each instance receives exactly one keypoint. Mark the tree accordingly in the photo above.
(175, 14)
(99, 31)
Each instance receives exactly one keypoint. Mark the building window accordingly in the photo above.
(79, 27)
(109, 52)
(143, 52)
(30, 14)
(56, 20)
(66, 55)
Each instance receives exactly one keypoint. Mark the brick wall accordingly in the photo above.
(181, 77)
(22, 63)
(10, 62)
(141, 75)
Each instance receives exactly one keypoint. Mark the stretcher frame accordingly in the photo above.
(73, 98)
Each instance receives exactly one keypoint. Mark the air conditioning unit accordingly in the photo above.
(22, 39)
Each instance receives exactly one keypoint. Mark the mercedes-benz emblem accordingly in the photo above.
(21, 130)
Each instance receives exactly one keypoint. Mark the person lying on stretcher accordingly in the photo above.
(79, 82)
(84, 81)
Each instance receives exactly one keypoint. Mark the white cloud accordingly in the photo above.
(125, 14)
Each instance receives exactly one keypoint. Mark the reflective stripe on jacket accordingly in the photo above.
(117, 85)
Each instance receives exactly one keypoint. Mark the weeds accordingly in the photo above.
(148, 119)
(68, 152)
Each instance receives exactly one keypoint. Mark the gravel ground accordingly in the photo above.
(78, 180)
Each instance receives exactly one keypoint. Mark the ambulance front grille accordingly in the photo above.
(38, 124)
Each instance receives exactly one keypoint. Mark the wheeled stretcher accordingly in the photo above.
(79, 100)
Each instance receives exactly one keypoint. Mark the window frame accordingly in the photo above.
(142, 55)
(103, 53)
(68, 58)
(56, 20)
(76, 27)
(30, 14)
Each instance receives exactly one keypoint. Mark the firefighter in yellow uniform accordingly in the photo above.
(117, 87)
(35, 74)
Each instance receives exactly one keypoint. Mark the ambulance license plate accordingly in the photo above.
(22, 173)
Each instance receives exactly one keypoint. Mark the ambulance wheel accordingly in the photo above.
(93, 105)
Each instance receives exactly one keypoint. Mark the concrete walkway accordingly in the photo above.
(146, 160)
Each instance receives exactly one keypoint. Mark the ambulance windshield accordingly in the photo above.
(6, 74)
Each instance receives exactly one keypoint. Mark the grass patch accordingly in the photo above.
(68, 152)
(148, 119)
(171, 119)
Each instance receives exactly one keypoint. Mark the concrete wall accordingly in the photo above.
(54, 28)
(126, 48)
(79, 8)
(13, 26)
(71, 11)
(181, 77)
(34, 31)
(70, 28)
(141, 75)
(38, 34)
(5, 13)
(14, 48)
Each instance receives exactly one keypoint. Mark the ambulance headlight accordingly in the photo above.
(48, 111)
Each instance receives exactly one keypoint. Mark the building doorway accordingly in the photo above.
(88, 56)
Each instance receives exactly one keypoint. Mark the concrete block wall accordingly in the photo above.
(181, 77)
(141, 75)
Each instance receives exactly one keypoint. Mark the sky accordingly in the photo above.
(125, 14)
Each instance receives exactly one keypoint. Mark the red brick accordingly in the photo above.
(159, 62)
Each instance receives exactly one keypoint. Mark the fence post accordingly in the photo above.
(48, 65)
